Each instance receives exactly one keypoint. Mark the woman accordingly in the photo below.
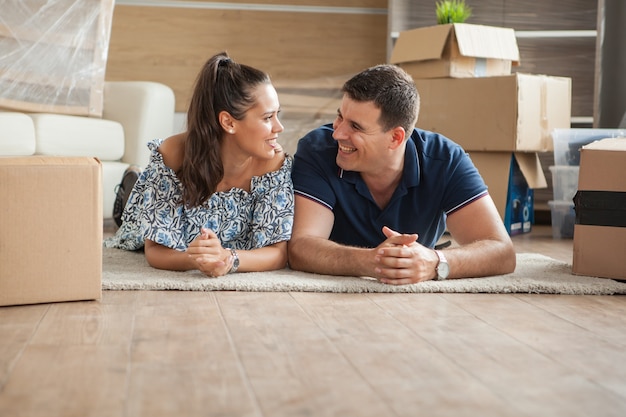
(218, 197)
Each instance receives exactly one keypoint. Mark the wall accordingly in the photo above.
(611, 81)
(302, 44)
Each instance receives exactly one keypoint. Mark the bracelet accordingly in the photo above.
(235, 266)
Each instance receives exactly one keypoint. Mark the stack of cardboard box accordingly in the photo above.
(600, 205)
(463, 75)
(567, 144)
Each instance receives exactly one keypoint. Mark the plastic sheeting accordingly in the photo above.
(53, 55)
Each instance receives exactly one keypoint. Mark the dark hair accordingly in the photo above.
(392, 90)
(221, 85)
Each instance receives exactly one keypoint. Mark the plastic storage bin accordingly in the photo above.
(567, 142)
(564, 182)
(563, 219)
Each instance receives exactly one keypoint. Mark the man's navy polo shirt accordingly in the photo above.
(438, 179)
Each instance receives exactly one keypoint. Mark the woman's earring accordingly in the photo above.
(231, 131)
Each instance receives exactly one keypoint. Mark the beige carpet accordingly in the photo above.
(535, 273)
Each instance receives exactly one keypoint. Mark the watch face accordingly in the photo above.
(443, 270)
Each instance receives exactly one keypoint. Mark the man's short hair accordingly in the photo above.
(392, 90)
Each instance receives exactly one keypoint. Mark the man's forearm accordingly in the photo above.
(323, 256)
(480, 259)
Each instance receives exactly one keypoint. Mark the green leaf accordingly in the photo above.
(452, 11)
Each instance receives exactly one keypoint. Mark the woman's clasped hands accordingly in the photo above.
(207, 252)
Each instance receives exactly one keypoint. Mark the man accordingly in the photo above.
(374, 194)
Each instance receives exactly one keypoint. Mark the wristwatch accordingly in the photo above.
(235, 261)
(443, 269)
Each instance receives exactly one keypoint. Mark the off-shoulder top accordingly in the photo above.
(242, 220)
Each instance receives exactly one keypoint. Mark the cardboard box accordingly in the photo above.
(600, 205)
(511, 178)
(457, 50)
(50, 229)
(509, 113)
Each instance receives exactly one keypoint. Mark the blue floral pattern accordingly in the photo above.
(242, 220)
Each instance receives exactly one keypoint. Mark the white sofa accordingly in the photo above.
(134, 113)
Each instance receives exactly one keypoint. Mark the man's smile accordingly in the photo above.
(346, 149)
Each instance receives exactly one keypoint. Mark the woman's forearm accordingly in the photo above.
(268, 258)
(162, 257)
(263, 259)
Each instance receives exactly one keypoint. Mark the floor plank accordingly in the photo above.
(398, 363)
(69, 380)
(85, 323)
(17, 326)
(182, 362)
(600, 315)
(291, 365)
(590, 362)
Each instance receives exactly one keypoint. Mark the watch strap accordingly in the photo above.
(235, 266)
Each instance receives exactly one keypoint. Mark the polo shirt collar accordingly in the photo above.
(412, 172)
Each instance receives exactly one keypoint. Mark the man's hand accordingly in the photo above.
(401, 260)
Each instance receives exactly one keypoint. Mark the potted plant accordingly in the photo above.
(452, 11)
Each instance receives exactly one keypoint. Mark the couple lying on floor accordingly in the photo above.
(368, 195)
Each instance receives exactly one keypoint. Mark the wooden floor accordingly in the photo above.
(314, 354)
